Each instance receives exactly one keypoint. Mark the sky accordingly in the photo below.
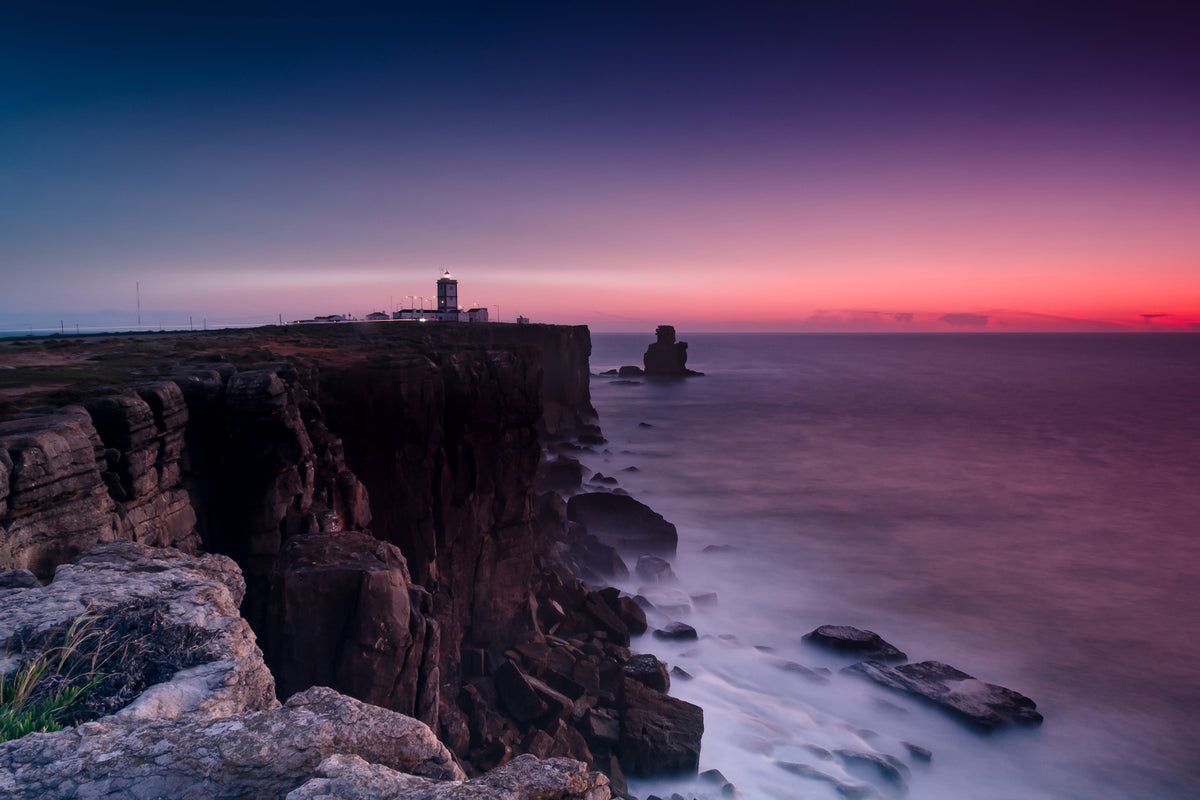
(843, 165)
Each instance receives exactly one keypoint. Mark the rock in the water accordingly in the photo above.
(655, 570)
(676, 630)
(856, 641)
(880, 769)
(624, 523)
(985, 706)
(660, 735)
(666, 357)
(649, 671)
(629, 372)
(264, 754)
(851, 791)
(523, 778)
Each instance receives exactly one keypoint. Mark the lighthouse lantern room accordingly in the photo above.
(447, 296)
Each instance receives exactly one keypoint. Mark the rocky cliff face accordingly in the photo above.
(374, 483)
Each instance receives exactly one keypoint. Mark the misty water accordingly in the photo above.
(1023, 507)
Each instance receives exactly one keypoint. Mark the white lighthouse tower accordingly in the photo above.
(447, 289)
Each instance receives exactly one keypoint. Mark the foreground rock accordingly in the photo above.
(855, 641)
(263, 755)
(985, 706)
(524, 778)
(343, 613)
(199, 591)
(660, 735)
(622, 522)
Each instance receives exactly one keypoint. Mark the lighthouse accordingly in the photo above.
(447, 294)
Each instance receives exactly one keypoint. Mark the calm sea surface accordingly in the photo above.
(1023, 507)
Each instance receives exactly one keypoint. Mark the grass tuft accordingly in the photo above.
(94, 665)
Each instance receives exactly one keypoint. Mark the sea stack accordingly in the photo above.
(666, 357)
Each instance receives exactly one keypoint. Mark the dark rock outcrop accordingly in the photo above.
(984, 706)
(624, 523)
(855, 641)
(343, 613)
(649, 671)
(660, 735)
(666, 357)
(676, 630)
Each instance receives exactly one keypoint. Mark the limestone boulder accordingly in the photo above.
(343, 777)
(199, 591)
(265, 754)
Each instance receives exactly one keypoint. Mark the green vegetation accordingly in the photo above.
(40, 694)
(93, 665)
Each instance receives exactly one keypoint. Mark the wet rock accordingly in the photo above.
(917, 752)
(624, 523)
(880, 769)
(856, 641)
(632, 615)
(851, 791)
(603, 559)
(679, 631)
(649, 671)
(660, 735)
(679, 673)
(665, 599)
(630, 371)
(984, 706)
(655, 570)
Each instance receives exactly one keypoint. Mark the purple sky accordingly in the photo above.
(837, 165)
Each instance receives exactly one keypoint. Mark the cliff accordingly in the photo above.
(375, 484)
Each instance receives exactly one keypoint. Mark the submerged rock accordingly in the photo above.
(856, 641)
(985, 706)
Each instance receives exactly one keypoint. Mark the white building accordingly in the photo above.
(448, 309)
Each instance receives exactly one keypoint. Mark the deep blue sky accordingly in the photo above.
(602, 162)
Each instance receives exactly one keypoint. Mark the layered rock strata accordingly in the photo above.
(375, 486)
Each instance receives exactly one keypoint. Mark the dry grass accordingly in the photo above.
(94, 665)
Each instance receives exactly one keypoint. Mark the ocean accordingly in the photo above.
(1023, 507)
